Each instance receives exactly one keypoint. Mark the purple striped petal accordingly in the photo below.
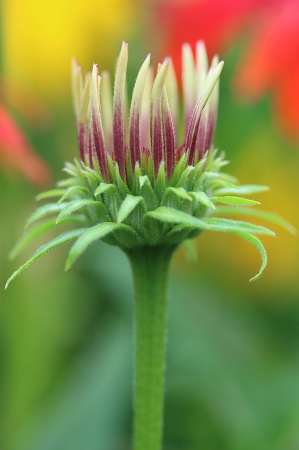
(188, 83)
(135, 114)
(107, 116)
(119, 110)
(97, 128)
(169, 136)
(156, 123)
(145, 116)
(81, 137)
(197, 112)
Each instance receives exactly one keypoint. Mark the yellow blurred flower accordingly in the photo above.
(39, 39)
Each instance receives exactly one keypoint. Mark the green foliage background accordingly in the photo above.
(66, 339)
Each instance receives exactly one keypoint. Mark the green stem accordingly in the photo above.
(150, 266)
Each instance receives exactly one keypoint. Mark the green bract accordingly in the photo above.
(136, 187)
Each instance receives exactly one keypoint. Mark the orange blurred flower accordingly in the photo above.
(269, 64)
(17, 152)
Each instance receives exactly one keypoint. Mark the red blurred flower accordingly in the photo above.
(270, 62)
(17, 152)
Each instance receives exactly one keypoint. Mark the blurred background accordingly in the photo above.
(66, 344)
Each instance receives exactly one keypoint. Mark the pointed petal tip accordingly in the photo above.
(95, 69)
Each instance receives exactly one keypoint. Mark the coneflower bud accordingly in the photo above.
(139, 183)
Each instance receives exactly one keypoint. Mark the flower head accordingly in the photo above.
(143, 182)
(150, 139)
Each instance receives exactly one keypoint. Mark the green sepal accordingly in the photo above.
(65, 237)
(112, 201)
(39, 230)
(93, 172)
(221, 182)
(160, 184)
(183, 180)
(73, 171)
(171, 215)
(173, 197)
(195, 174)
(259, 246)
(218, 224)
(50, 194)
(68, 182)
(102, 188)
(78, 163)
(75, 205)
(91, 179)
(136, 186)
(130, 176)
(44, 210)
(100, 213)
(203, 198)
(70, 190)
(229, 200)
(122, 187)
(111, 168)
(90, 235)
(177, 171)
(127, 237)
(127, 206)
(148, 193)
(198, 186)
(153, 229)
(179, 233)
(228, 177)
(242, 190)
(201, 210)
(269, 216)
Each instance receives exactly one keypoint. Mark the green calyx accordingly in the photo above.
(145, 212)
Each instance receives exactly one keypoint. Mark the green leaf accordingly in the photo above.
(179, 233)
(136, 183)
(102, 188)
(90, 235)
(148, 193)
(214, 224)
(44, 210)
(177, 171)
(259, 246)
(219, 181)
(193, 177)
(39, 230)
(184, 177)
(173, 197)
(70, 191)
(242, 190)
(171, 215)
(49, 194)
(122, 187)
(228, 200)
(73, 206)
(68, 182)
(127, 207)
(153, 229)
(127, 236)
(91, 178)
(160, 184)
(229, 225)
(112, 201)
(65, 237)
(203, 198)
(202, 178)
(271, 217)
(111, 167)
